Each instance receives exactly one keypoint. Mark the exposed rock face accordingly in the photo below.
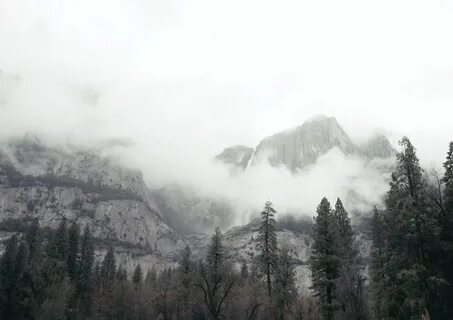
(37, 182)
(298, 147)
(378, 147)
(237, 156)
(240, 243)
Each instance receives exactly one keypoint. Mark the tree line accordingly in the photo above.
(409, 274)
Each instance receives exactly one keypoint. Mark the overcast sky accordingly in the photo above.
(186, 78)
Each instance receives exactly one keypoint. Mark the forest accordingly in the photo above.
(408, 276)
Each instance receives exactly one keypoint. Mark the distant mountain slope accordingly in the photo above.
(301, 146)
(378, 147)
(238, 156)
(48, 184)
(241, 244)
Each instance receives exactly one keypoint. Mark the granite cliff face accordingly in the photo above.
(301, 146)
(47, 184)
(378, 147)
(237, 156)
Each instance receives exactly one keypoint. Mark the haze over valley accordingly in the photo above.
(258, 160)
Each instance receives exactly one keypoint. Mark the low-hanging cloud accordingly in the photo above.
(175, 82)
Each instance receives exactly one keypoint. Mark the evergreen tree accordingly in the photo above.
(108, 268)
(377, 265)
(411, 239)
(325, 260)
(73, 251)
(33, 238)
(447, 234)
(137, 276)
(267, 246)
(448, 178)
(350, 284)
(8, 278)
(59, 244)
(22, 258)
(184, 274)
(345, 234)
(85, 271)
(185, 266)
(97, 277)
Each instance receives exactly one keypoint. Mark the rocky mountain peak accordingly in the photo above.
(378, 146)
(303, 145)
(237, 156)
(47, 184)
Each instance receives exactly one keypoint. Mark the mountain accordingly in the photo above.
(301, 146)
(150, 227)
(378, 147)
(241, 244)
(47, 184)
(237, 156)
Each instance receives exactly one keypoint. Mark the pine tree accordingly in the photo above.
(377, 265)
(325, 260)
(85, 275)
(216, 255)
(33, 238)
(350, 284)
(137, 277)
(22, 258)
(73, 251)
(345, 234)
(411, 239)
(184, 280)
(267, 246)
(447, 234)
(185, 265)
(8, 278)
(59, 244)
(108, 268)
(20, 267)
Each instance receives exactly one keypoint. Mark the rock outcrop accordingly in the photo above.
(237, 156)
(47, 184)
(301, 146)
(378, 147)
